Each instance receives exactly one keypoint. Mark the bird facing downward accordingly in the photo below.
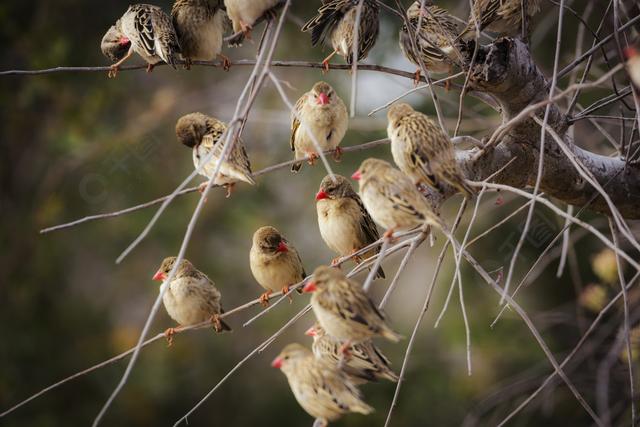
(114, 44)
(191, 297)
(274, 262)
(321, 113)
(422, 150)
(203, 135)
(500, 16)
(335, 24)
(344, 310)
(324, 392)
(345, 225)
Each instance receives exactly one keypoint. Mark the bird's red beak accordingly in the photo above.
(630, 52)
(323, 99)
(357, 176)
(320, 195)
(309, 287)
(124, 41)
(159, 276)
(311, 332)
(277, 363)
(282, 247)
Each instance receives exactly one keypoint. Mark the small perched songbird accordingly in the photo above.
(202, 133)
(244, 13)
(366, 362)
(633, 64)
(200, 26)
(324, 392)
(345, 225)
(436, 39)
(392, 199)
(324, 115)
(274, 262)
(500, 16)
(423, 151)
(191, 297)
(114, 44)
(151, 34)
(335, 24)
(344, 310)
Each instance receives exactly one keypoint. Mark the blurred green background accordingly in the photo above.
(76, 144)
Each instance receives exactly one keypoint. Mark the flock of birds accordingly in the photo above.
(324, 380)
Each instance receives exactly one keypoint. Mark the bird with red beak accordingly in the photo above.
(319, 122)
(632, 54)
(274, 262)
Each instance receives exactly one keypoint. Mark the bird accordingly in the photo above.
(245, 13)
(200, 26)
(345, 225)
(191, 297)
(319, 112)
(152, 36)
(114, 44)
(423, 151)
(632, 55)
(344, 310)
(392, 199)
(500, 16)
(323, 392)
(335, 25)
(203, 134)
(366, 362)
(274, 262)
(436, 39)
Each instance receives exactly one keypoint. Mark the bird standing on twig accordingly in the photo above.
(275, 264)
(322, 113)
(345, 225)
(325, 393)
(335, 24)
(423, 151)
(204, 134)
(200, 26)
(191, 297)
(151, 34)
(114, 44)
(500, 16)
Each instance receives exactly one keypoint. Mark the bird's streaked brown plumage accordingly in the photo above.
(499, 16)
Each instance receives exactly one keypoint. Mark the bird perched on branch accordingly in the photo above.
(500, 16)
(200, 26)
(633, 64)
(274, 262)
(325, 393)
(366, 362)
(321, 113)
(345, 225)
(245, 13)
(435, 35)
(191, 297)
(423, 151)
(114, 44)
(204, 134)
(151, 34)
(344, 310)
(392, 199)
(335, 24)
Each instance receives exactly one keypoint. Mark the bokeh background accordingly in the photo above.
(76, 144)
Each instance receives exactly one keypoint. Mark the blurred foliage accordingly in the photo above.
(77, 144)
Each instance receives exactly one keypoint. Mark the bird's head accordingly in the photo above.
(290, 355)
(631, 52)
(399, 110)
(167, 266)
(315, 331)
(270, 241)
(370, 168)
(115, 45)
(322, 95)
(334, 188)
(323, 277)
(191, 128)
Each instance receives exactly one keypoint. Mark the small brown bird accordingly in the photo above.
(392, 199)
(323, 392)
(437, 39)
(325, 116)
(200, 26)
(423, 151)
(114, 44)
(345, 225)
(275, 264)
(151, 34)
(335, 24)
(344, 310)
(202, 133)
(633, 64)
(366, 362)
(499, 16)
(191, 297)
(244, 13)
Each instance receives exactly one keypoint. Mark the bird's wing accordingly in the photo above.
(165, 39)
(328, 16)
(367, 225)
(295, 123)
(144, 27)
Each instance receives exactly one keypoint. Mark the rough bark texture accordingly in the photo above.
(506, 71)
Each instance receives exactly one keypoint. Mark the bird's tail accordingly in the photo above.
(391, 335)
(295, 168)
(224, 327)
